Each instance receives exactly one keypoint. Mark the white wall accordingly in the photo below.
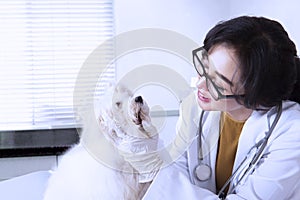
(193, 18)
(189, 17)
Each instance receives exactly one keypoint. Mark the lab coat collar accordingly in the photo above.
(253, 131)
(196, 117)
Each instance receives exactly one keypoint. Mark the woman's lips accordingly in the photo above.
(202, 98)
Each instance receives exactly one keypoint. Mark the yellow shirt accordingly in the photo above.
(230, 130)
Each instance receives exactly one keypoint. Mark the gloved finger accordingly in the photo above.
(139, 157)
(150, 130)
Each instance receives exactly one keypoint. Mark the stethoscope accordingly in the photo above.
(203, 171)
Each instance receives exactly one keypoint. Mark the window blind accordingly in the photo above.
(43, 44)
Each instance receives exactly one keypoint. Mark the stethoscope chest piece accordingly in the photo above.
(202, 172)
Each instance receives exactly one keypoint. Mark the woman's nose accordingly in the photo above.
(201, 83)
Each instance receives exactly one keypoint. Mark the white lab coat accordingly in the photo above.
(277, 175)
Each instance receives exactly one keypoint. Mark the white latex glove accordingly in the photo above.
(140, 152)
(127, 124)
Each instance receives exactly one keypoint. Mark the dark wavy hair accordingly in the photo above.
(268, 61)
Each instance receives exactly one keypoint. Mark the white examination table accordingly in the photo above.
(27, 187)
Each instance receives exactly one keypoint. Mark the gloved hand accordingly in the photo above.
(140, 152)
(127, 124)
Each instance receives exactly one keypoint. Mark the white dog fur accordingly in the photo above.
(79, 176)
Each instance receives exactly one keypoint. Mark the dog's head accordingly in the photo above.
(119, 107)
(124, 111)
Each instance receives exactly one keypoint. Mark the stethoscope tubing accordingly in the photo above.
(260, 146)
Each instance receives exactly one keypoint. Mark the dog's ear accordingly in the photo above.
(122, 88)
(104, 116)
(109, 88)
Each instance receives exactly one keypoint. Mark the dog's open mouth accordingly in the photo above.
(136, 107)
(138, 118)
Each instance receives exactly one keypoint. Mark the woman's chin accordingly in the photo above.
(205, 105)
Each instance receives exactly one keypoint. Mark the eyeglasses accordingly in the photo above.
(203, 64)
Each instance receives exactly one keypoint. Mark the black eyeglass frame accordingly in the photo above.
(208, 78)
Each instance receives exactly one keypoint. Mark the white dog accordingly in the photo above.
(83, 175)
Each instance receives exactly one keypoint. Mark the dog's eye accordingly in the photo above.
(119, 104)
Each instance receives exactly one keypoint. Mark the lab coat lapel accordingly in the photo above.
(254, 130)
(210, 135)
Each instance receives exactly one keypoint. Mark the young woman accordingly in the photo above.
(242, 123)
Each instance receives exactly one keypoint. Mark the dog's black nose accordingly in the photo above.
(138, 99)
